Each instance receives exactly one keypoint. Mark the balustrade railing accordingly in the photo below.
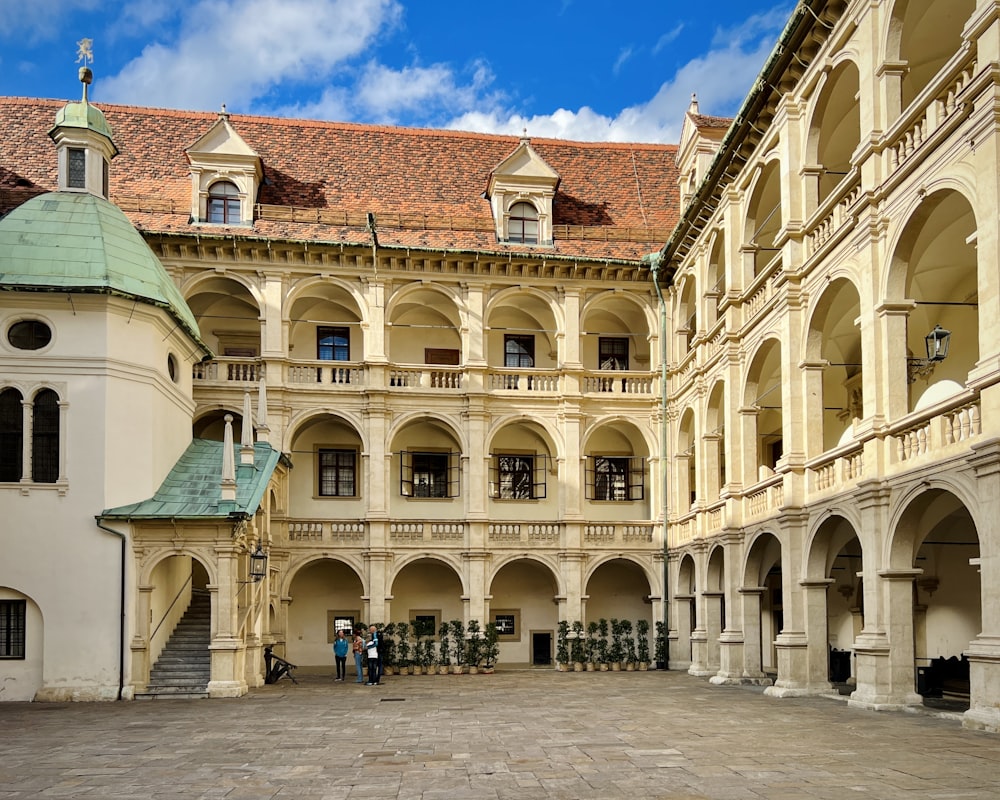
(525, 381)
(955, 425)
(229, 370)
(501, 533)
(617, 382)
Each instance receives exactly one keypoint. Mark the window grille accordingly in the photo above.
(45, 437)
(428, 474)
(338, 473)
(13, 614)
(615, 478)
(518, 477)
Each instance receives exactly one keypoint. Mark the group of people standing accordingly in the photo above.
(365, 648)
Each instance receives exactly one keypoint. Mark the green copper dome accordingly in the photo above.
(76, 242)
(83, 115)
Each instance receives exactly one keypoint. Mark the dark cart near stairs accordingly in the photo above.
(276, 668)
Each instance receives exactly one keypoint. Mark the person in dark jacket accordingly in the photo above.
(374, 649)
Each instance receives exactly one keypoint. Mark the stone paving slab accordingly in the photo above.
(507, 736)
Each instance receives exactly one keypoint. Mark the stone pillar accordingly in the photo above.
(984, 651)
(225, 648)
(140, 639)
(817, 656)
(731, 639)
(896, 684)
(713, 630)
(753, 669)
(681, 648)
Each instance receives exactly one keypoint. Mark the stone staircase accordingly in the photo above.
(184, 667)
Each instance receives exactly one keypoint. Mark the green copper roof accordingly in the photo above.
(193, 487)
(83, 115)
(76, 242)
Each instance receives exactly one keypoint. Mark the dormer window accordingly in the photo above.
(224, 203)
(225, 176)
(522, 225)
(520, 191)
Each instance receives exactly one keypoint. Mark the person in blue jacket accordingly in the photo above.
(340, 646)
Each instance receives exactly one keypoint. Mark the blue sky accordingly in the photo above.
(577, 69)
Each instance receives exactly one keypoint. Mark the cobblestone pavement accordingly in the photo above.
(510, 735)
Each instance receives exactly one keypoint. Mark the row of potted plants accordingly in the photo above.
(460, 647)
(608, 645)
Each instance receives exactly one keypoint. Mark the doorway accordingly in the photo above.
(541, 648)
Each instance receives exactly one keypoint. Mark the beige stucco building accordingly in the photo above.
(833, 482)
(470, 381)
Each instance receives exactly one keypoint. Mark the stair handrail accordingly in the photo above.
(252, 603)
(170, 607)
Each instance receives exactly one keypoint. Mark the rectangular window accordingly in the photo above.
(333, 344)
(612, 352)
(508, 622)
(13, 614)
(428, 474)
(518, 351)
(615, 478)
(518, 477)
(339, 621)
(77, 168)
(106, 182)
(337, 473)
(425, 623)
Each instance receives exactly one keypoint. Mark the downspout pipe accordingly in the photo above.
(655, 261)
(121, 600)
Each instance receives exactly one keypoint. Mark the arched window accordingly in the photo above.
(224, 203)
(11, 435)
(45, 437)
(522, 225)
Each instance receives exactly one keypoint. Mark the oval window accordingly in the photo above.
(29, 334)
(172, 367)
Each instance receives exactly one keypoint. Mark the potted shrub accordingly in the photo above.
(602, 644)
(491, 648)
(642, 637)
(403, 653)
(418, 651)
(457, 646)
(562, 649)
(660, 646)
(474, 646)
(617, 650)
(577, 646)
(629, 643)
(444, 648)
(591, 649)
(388, 650)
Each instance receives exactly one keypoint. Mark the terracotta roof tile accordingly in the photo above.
(705, 121)
(614, 200)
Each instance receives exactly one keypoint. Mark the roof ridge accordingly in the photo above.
(402, 130)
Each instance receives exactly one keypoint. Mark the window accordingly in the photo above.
(77, 168)
(518, 477)
(12, 628)
(428, 475)
(522, 226)
(333, 344)
(518, 350)
(224, 203)
(615, 478)
(337, 473)
(29, 334)
(106, 179)
(11, 435)
(339, 621)
(45, 437)
(508, 622)
(425, 623)
(613, 352)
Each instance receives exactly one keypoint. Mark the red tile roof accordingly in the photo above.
(614, 201)
(705, 121)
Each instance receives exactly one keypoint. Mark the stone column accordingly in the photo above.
(225, 648)
(984, 651)
(713, 630)
(753, 669)
(731, 639)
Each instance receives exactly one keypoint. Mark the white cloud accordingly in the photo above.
(237, 51)
(623, 56)
(721, 78)
(667, 38)
(39, 20)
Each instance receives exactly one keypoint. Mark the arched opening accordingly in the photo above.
(715, 443)
(763, 607)
(424, 328)
(229, 320)
(935, 266)
(943, 608)
(923, 36)
(521, 338)
(687, 612)
(716, 281)
(764, 221)
(522, 467)
(836, 129)
(686, 473)
(834, 340)
(325, 337)
(687, 317)
(425, 593)
(426, 466)
(765, 411)
(619, 589)
(525, 608)
(615, 473)
(328, 479)
(324, 595)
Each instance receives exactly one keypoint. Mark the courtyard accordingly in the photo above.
(514, 734)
